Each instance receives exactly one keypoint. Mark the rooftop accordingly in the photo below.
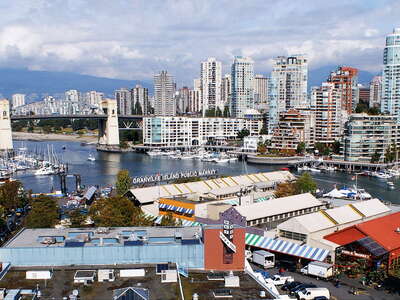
(383, 230)
(151, 194)
(278, 206)
(118, 236)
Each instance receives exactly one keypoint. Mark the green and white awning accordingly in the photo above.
(286, 247)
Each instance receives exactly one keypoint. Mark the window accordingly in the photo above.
(293, 235)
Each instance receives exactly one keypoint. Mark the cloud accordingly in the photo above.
(135, 39)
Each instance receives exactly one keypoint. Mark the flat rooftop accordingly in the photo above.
(116, 236)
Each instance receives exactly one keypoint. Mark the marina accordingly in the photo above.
(106, 166)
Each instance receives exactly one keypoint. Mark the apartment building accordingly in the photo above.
(366, 134)
(189, 132)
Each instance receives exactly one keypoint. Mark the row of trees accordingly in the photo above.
(212, 112)
(304, 184)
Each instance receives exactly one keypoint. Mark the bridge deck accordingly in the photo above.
(91, 116)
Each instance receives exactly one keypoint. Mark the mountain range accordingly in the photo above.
(36, 84)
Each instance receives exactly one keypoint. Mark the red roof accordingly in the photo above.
(382, 230)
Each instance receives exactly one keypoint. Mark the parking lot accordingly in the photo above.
(343, 291)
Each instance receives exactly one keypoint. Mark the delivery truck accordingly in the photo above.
(318, 269)
(264, 258)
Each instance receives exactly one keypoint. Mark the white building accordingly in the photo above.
(226, 86)
(18, 100)
(375, 92)
(72, 95)
(94, 98)
(210, 84)
(164, 95)
(242, 86)
(140, 100)
(291, 75)
(391, 75)
(188, 132)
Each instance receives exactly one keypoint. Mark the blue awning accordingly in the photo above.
(286, 247)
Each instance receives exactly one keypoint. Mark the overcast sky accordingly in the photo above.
(135, 39)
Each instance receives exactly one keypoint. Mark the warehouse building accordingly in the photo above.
(268, 214)
(311, 228)
(377, 241)
(213, 247)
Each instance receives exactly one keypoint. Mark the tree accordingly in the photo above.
(44, 213)
(124, 182)
(361, 108)
(305, 184)
(375, 157)
(169, 220)
(117, 212)
(227, 114)
(76, 218)
(218, 112)
(336, 147)
(389, 155)
(210, 112)
(285, 189)
(11, 196)
(301, 147)
(243, 133)
(263, 130)
(261, 148)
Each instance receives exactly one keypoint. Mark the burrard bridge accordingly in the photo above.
(108, 121)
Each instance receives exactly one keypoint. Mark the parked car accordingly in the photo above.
(312, 293)
(301, 287)
(279, 280)
(290, 285)
(321, 298)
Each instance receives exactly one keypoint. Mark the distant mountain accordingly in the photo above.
(40, 83)
(317, 76)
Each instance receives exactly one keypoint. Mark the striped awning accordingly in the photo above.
(178, 209)
(286, 247)
(185, 223)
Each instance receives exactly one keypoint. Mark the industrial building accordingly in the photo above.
(311, 228)
(268, 214)
(377, 240)
(211, 247)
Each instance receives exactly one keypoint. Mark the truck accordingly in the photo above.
(318, 269)
(264, 258)
(312, 293)
(279, 280)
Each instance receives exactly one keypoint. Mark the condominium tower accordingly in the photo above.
(242, 77)
(18, 100)
(210, 84)
(391, 75)
(124, 101)
(375, 92)
(291, 75)
(164, 95)
(140, 100)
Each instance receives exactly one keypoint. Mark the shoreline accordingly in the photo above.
(41, 137)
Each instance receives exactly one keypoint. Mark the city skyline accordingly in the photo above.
(179, 43)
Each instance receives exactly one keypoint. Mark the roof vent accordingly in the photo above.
(397, 230)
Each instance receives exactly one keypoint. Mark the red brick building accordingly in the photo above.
(345, 81)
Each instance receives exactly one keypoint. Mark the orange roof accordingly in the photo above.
(382, 230)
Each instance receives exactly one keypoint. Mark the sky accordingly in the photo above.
(136, 39)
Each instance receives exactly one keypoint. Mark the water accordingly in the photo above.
(103, 171)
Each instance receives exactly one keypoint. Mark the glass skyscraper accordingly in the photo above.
(391, 75)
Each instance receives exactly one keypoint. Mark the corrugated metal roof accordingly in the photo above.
(278, 206)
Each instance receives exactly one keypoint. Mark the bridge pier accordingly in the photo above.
(5, 126)
(108, 128)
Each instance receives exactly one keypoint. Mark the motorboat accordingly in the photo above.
(45, 171)
(155, 152)
(394, 172)
(303, 168)
(381, 175)
(91, 157)
(390, 184)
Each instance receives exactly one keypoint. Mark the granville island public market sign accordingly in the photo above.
(172, 176)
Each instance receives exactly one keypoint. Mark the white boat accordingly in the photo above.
(315, 170)
(221, 160)
(303, 168)
(394, 172)
(390, 184)
(381, 175)
(45, 171)
(155, 152)
(91, 157)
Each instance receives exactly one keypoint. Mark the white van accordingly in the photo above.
(311, 293)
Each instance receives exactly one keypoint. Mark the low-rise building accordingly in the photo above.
(367, 135)
(186, 132)
(270, 213)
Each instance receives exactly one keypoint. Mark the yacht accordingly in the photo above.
(155, 152)
(45, 171)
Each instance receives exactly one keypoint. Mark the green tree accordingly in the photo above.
(263, 130)
(210, 113)
(227, 113)
(243, 133)
(301, 147)
(285, 189)
(261, 148)
(336, 147)
(76, 218)
(169, 220)
(389, 155)
(218, 112)
(361, 108)
(11, 196)
(374, 111)
(44, 213)
(375, 157)
(124, 182)
(305, 184)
